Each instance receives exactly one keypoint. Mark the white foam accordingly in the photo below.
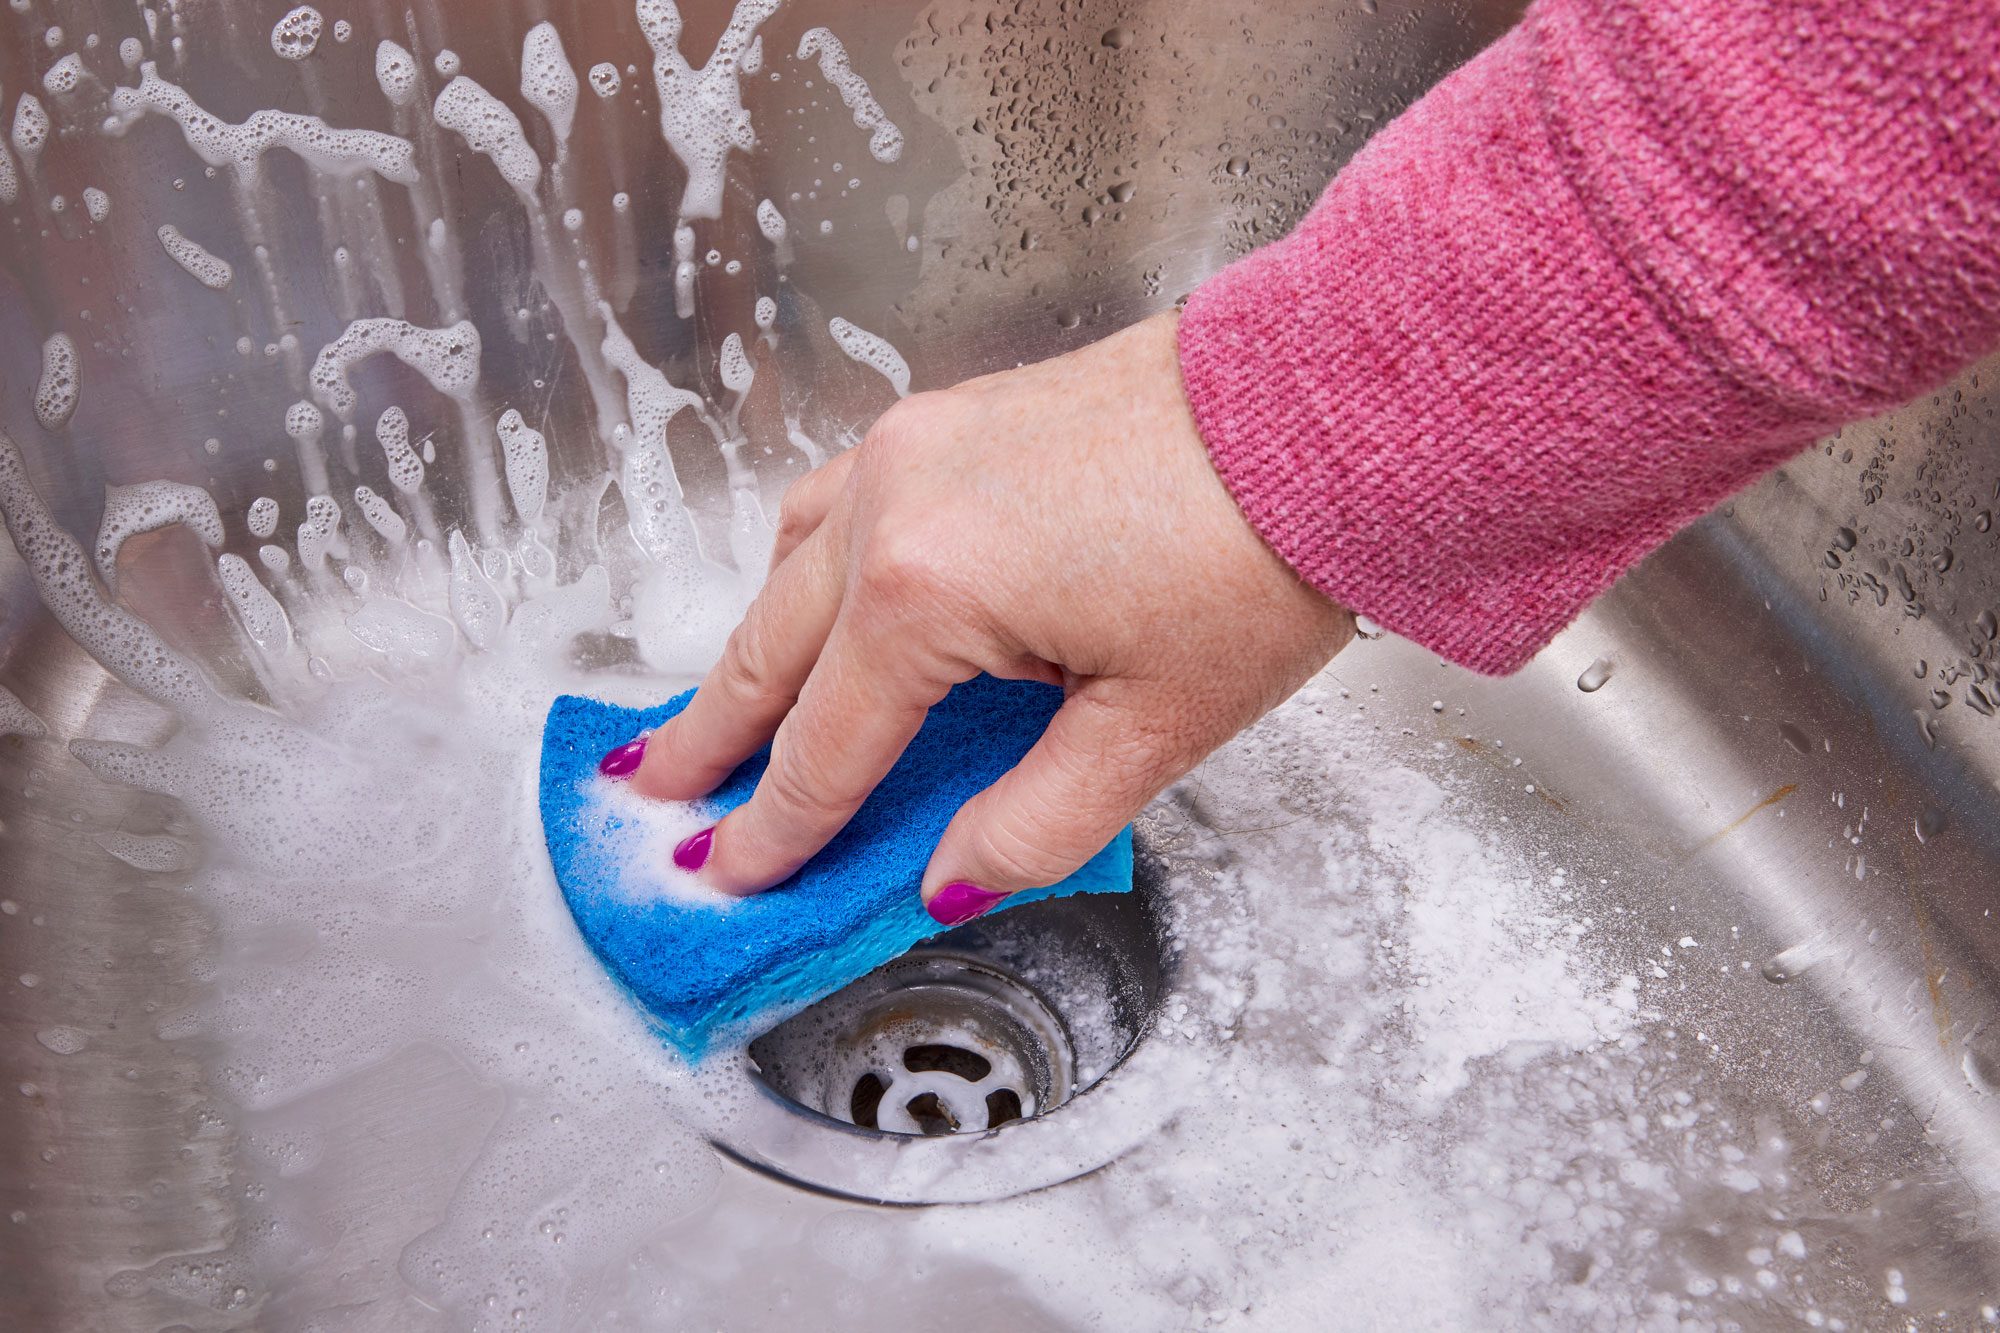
(96, 203)
(401, 632)
(527, 460)
(256, 609)
(30, 133)
(492, 129)
(702, 115)
(63, 76)
(61, 383)
(10, 179)
(219, 143)
(120, 642)
(17, 719)
(734, 365)
(547, 81)
(381, 516)
(395, 72)
(342, 30)
(392, 432)
(296, 35)
(304, 423)
(262, 520)
(445, 62)
(770, 221)
(874, 351)
(148, 507)
(131, 51)
(62, 1040)
(604, 79)
(448, 358)
(320, 535)
(205, 268)
(685, 271)
(154, 852)
(475, 604)
(274, 558)
(642, 833)
(766, 313)
(885, 141)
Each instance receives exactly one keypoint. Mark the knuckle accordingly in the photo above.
(906, 424)
(751, 681)
(901, 564)
(794, 517)
(795, 794)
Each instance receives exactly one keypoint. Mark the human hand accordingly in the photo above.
(1059, 522)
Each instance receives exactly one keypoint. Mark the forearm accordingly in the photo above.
(1604, 275)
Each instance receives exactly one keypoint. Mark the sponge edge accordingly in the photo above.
(709, 969)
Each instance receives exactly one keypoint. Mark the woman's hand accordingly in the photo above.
(1060, 522)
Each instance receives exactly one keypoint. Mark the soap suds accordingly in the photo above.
(219, 143)
(448, 358)
(490, 128)
(885, 141)
(874, 351)
(202, 266)
(60, 384)
(547, 81)
(17, 719)
(296, 35)
(702, 115)
(148, 507)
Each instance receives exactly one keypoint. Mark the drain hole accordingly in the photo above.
(931, 1114)
(1001, 1107)
(867, 1099)
(968, 1065)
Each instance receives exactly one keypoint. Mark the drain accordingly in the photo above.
(979, 1064)
(938, 1042)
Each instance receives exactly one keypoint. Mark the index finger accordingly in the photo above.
(859, 710)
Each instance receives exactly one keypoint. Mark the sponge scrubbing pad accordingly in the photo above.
(708, 968)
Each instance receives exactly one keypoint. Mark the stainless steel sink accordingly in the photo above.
(1653, 984)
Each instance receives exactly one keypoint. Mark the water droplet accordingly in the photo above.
(1238, 165)
(1117, 38)
(1930, 822)
(1788, 965)
(1795, 737)
(1844, 539)
(1595, 676)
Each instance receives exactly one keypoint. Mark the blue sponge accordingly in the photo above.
(708, 968)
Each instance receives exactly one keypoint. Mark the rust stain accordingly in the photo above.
(1497, 758)
(1744, 818)
(1933, 971)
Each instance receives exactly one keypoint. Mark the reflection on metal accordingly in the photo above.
(1066, 169)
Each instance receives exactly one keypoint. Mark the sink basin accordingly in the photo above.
(1653, 986)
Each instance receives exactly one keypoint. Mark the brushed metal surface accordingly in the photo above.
(1070, 166)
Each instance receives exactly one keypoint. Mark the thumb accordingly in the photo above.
(1102, 758)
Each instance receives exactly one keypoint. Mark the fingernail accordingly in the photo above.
(958, 902)
(692, 854)
(623, 762)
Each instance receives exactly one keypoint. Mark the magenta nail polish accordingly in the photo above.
(958, 902)
(623, 762)
(692, 854)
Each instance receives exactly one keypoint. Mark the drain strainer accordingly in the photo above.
(939, 1042)
(977, 1066)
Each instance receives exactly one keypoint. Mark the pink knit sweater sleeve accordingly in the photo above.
(1599, 278)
